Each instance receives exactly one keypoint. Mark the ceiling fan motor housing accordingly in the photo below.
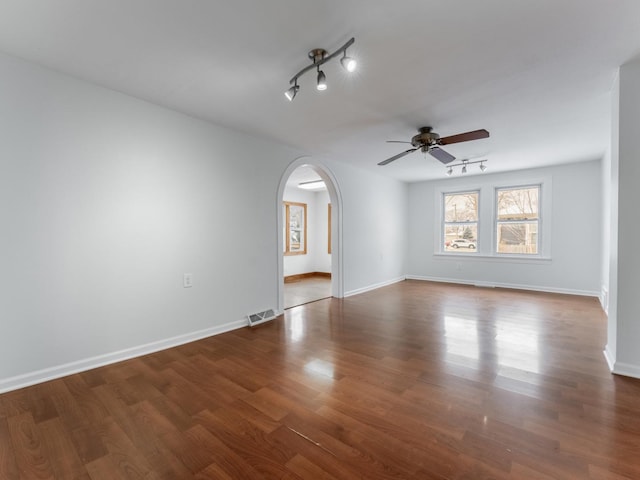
(425, 139)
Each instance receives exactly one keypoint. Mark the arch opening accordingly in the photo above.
(335, 198)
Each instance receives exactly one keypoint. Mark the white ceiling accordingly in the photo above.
(536, 74)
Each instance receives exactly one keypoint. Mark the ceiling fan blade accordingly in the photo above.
(441, 155)
(398, 141)
(464, 137)
(395, 157)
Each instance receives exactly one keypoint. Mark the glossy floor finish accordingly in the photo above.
(417, 380)
(306, 290)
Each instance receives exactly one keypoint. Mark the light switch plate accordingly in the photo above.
(188, 280)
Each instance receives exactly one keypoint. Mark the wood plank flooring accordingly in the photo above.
(417, 380)
(306, 290)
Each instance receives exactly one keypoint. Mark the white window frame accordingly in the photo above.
(443, 223)
(497, 221)
(487, 206)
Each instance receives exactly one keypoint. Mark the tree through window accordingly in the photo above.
(517, 220)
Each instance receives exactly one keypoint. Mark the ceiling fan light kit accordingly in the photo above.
(319, 56)
(429, 142)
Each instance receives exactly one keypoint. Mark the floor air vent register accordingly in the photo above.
(261, 317)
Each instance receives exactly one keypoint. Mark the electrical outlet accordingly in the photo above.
(187, 280)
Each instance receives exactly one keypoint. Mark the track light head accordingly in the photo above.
(322, 81)
(449, 171)
(348, 63)
(292, 92)
(483, 167)
(464, 169)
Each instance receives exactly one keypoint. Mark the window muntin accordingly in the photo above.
(460, 222)
(518, 220)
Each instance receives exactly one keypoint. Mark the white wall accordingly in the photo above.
(375, 223)
(320, 240)
(573, 221)
(316, 259)
(610, 244)
(624, 317)
(106, 201)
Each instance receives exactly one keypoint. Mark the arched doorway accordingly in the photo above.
(337, 282)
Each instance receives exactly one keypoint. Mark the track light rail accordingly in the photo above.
(314, 54)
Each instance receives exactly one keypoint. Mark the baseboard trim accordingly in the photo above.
(302, 276)
(514, 286)
(604, 299)
(609, 358)
(44, 375)
(374, 286)
(626, 369)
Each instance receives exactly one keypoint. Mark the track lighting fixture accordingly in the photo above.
(464, 164)
(322, 81)
(320, 56)
(292, 92)
(348, 63)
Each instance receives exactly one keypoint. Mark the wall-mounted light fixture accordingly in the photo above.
(320, 56)
(464, 164)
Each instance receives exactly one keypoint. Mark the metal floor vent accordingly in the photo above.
(261, 317)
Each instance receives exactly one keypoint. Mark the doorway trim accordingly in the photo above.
(337, 268)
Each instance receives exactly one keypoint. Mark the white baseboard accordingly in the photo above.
(619, 368)
(44, 375)
(516, 286)
(374, 286)
(609, 358)
(604, 299)
(626, 369)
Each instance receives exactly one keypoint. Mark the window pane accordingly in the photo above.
(518, 203)
(461, 237)
(461, 207)
(518, 237)
(295, 228)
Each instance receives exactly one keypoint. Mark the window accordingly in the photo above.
(517, 220)
(295, 226)
(460, 222)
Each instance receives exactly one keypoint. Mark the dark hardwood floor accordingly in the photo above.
(417, 380)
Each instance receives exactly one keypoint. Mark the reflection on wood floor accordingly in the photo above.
(416, 380)
(306, 290)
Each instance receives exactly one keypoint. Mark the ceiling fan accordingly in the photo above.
(429, 142)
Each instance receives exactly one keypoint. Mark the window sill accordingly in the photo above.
(496, 258)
